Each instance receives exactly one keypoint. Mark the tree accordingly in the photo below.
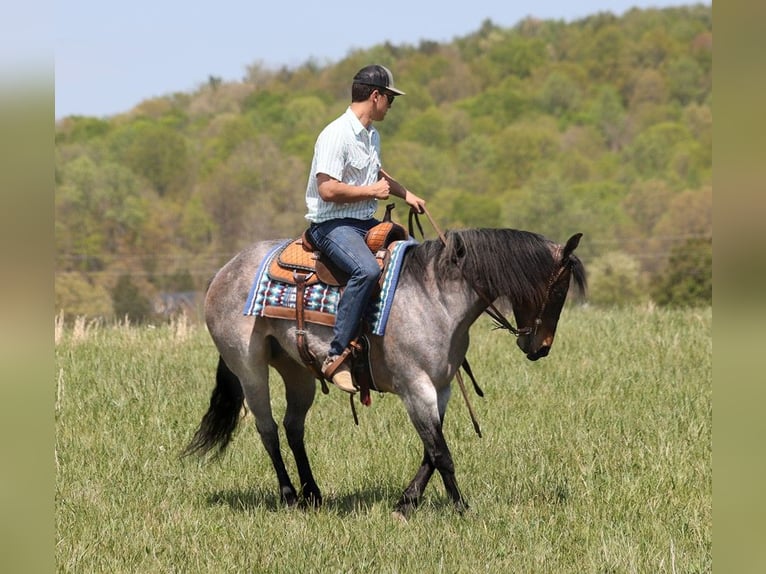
(129, 302)
(158, 153)
(652, 150)
(689, 215)
(527, 146)
(602, 126)
(615, 279)
(77, 296)
(685, 80)
(688, 279)
(560, 94)
(607, 114)
(646, 203)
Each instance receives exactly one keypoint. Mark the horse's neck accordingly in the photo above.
(453, 305)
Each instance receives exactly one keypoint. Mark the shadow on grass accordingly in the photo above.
(351, 503)
(245, 500)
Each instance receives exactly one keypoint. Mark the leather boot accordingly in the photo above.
(337, 370)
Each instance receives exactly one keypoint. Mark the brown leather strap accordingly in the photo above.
(300, 332)
(330, 369)
(362, 369)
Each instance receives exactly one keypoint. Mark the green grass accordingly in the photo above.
(595, 459)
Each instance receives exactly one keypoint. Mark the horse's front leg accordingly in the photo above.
(426, 410)
(414, 492)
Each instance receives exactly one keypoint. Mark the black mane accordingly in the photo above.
(499, 262)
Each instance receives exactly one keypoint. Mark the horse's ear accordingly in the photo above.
(571, 245)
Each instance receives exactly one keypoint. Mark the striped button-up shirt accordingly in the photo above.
(347, 151)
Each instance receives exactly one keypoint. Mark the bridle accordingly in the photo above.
(500, 320)
(502, 323)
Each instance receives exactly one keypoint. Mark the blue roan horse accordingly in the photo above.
(443, 289)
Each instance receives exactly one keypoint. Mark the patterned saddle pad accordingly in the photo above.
(275, 298)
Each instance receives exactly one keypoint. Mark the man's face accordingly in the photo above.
(381, 101)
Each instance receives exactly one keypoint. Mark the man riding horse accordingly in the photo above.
(344, 186)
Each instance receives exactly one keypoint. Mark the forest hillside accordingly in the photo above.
(601, 126)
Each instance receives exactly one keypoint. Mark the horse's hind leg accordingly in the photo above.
(300, 389)
(255, 384)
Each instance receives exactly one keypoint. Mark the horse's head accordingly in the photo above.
(537, 327)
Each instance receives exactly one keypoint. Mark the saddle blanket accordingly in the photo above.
(321, 298)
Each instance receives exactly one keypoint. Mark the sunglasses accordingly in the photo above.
(389, 97)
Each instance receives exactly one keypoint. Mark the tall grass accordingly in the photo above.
(595, 459)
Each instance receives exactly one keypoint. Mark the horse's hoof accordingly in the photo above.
(462, 508)
(398, 516)
(289, 498)
(403, 511)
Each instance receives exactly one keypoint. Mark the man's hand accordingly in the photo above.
(417, 204)
(381, 189)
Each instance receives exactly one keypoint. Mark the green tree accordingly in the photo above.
(197, 227)
(603, 126)
(427, 128)
(527, 147)
(652, 150)
(607, 114)
(689, 215)
(77, 295)
(646, 203)
(688, 279)
(560, 94)
(602, 51)
(517, 55)
(99, 211)
(128, 301)
(158, 153)
(500, 105)
(615, 279)
(685, 80)
(80, 234)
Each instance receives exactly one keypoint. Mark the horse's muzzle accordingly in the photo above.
(539, 354)
(524, 343)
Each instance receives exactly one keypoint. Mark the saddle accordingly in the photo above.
(301, 264)
(301, 258)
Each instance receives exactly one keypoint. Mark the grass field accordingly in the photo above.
(595, 459)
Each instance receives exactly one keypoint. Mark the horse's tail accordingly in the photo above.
(220, 421)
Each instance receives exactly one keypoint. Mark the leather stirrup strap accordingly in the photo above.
(300, 331)
(330, 369)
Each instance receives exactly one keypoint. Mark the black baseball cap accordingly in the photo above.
(378, 76)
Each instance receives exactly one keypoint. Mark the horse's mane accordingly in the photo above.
(500, 262)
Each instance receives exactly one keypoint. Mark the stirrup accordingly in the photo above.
(330, 370)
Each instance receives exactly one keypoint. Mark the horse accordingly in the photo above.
(443, 288)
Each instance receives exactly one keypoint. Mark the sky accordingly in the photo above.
(111, 55)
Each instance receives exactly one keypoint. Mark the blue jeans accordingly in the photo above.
(342, 241)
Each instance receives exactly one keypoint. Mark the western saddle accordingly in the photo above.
(301, 264)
